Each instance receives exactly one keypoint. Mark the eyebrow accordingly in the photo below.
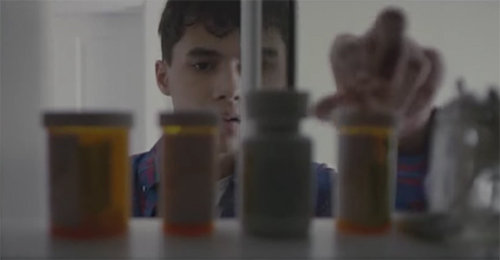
(267, 52)
(203, 52)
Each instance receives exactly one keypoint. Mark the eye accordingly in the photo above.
(203, 66)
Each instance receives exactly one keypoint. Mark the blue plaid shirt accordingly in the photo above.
(410, 195)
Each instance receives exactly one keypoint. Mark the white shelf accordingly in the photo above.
(145, 241)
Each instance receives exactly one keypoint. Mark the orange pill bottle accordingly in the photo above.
(188, 172)
(89, 174)
(367, 162)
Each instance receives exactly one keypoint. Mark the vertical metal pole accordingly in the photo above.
(292, 44)
(251, 28)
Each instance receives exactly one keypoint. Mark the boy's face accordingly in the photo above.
(204, 73)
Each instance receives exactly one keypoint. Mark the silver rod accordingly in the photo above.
(251, 26)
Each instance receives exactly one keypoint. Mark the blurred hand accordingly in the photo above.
(384, 70)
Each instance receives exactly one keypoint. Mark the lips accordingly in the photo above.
(232, 119)
(230, 125)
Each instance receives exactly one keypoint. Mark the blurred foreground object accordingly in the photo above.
(463, 181)
(188, 172)
(367, 170)
(277, 177)
(89, 174)
(383, 69)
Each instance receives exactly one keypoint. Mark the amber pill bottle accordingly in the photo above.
(188, 172)
(367, 161)
(89, 174)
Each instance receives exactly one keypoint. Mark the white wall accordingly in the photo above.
(466, 32)
(111, 69)
(38, 71)
(120, 46)
(24, 63)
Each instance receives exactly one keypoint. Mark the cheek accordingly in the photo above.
(189, 91)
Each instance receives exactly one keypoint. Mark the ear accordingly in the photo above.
(162, 77)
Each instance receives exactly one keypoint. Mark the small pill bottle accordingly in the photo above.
(89, 174)
(188, 172)
(277, 158)
(367, 162)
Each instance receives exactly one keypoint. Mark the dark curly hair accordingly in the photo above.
(220, 18)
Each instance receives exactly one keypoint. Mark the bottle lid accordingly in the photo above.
(116, 119)
(189, 118)
(275, 104)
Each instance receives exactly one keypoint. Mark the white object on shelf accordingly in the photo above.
(145, 240)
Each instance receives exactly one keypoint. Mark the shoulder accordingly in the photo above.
(141, 161)
(323, 172)
(325, 177)
(322, 167)
(137, 159)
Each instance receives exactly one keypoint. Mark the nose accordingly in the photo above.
(228, 83)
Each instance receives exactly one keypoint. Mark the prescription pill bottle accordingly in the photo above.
(277, 179)
(89, 174)
(188, 172)
(367, 150)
